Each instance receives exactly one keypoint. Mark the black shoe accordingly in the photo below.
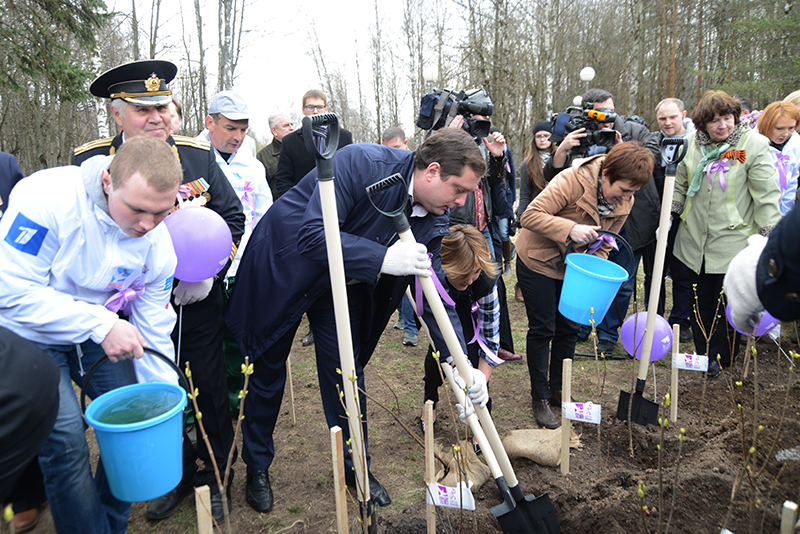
(217, 512)
(713, 369)
(477, 448)
(308, 340)
(686, 334)
(604, 346)
(377, 492)
(582, 338)
(166, 505)
(793, 337)
(259, 492)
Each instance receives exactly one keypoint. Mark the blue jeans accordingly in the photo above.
(502, 227)
(408, 316)
(608, 328)
(80, 503)
(487, 233)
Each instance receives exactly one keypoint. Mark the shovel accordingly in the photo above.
(518, 513)
(323, 153)
(643, 411)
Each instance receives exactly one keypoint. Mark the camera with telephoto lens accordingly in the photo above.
(438, 109)
(585, 117)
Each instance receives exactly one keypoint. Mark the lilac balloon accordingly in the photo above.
(202, 242)
(632, 336)
(766, 323)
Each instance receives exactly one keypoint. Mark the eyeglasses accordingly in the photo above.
(542, 137)
(314, 108)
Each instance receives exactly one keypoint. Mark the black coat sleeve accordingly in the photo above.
(778, 271)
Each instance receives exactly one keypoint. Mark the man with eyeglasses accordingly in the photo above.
(296, 160)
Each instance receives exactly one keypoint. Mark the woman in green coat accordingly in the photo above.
(726, 189)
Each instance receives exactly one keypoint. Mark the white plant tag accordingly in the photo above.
(690, 362)
(439, 495)
(584, 412)
(725, 531)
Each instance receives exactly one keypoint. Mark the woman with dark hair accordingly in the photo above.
(594, 193)
(532, 180)
(726, 189)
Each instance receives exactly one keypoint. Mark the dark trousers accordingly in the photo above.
(28, 491)
(433, 379)
(263, 401)
(682, 297)
(506, 338)
(201, 346)
(724, 340)
(551, 336)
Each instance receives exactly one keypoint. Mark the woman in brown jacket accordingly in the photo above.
(595, 193)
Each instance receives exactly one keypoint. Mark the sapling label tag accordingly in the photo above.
(439, 495)
(579, 411)
(690, 362)
(725, 531)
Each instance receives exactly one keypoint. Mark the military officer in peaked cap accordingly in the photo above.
(140, 99)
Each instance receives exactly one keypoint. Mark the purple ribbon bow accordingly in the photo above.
(782, 160)
(476, 327)
(249, 196)
(439, 289)
(121, 300)
(600, 241)
(721, 167)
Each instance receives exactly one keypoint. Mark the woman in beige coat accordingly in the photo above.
(595, 193)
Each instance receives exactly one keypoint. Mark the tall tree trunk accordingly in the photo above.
(134, 31)
(154, 23)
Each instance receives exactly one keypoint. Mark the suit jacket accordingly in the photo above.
(285, 265)
(199, 163)
(10, 174)
(268, 156)
(296, 161)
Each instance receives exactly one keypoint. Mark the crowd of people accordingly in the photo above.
(73, 237)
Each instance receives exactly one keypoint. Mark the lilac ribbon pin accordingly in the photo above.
(121, 300)
(439, 289)
(249, 196)
(476, 327)
(600, 241)
(720, 167)
(783, 159)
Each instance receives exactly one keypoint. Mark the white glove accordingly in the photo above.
(403, 259)
(190, 292)
(478, 392)
(740, 284)
(463, 414)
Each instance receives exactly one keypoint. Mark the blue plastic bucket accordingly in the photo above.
(589, 283)
(139, 432)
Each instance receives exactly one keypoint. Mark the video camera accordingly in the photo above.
(438, 109)
(585, 117)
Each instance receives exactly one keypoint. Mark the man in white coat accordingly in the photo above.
(77, 244)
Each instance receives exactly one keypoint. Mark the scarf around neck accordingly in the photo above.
(711, 153)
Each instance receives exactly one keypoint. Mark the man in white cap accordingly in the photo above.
(226, 129)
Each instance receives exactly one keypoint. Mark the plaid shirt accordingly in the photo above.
(489, 320)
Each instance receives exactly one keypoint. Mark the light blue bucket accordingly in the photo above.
(142, 454)
(589, 283)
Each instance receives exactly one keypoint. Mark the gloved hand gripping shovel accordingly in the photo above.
(326, 127)
(518, 513)
(643, 411)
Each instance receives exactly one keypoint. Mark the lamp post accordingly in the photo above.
(587, 75)
(430, 74)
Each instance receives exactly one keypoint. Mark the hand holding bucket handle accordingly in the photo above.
(181, 378)
(619, 239)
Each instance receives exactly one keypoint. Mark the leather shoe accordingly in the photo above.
(217, 512)
(686, 334)
(518, 294)
(26, 520)
(308, 340)
(507, 356)
(259, 492)
(544, 415)
(377, 492)
(555, 397)
(166, 505)
(713, 369)
(605, 346)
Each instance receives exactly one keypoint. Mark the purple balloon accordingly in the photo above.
(632, 336)
(766, 323)
(202, 242)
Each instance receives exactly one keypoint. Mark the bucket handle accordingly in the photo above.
(181, 378)
(619, 239)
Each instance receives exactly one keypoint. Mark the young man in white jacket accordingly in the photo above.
(72, 239)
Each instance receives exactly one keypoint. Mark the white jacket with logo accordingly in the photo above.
(62, 256)
(248, 178)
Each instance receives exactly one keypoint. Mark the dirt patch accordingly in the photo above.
(598, 496)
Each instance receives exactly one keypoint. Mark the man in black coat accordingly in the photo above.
(140, 102)
(297, 157)
(10, 174)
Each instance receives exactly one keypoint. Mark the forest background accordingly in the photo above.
(526, 53)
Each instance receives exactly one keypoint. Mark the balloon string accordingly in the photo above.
(180, 331)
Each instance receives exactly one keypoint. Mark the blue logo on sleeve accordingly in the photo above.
(25, 235)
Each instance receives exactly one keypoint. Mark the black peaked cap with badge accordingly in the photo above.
(143, 83)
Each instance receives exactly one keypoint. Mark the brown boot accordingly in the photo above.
(555, 397)
(25, 521)
(544, 415)
(518, 293)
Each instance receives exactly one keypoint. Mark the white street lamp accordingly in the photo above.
(587, 75)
